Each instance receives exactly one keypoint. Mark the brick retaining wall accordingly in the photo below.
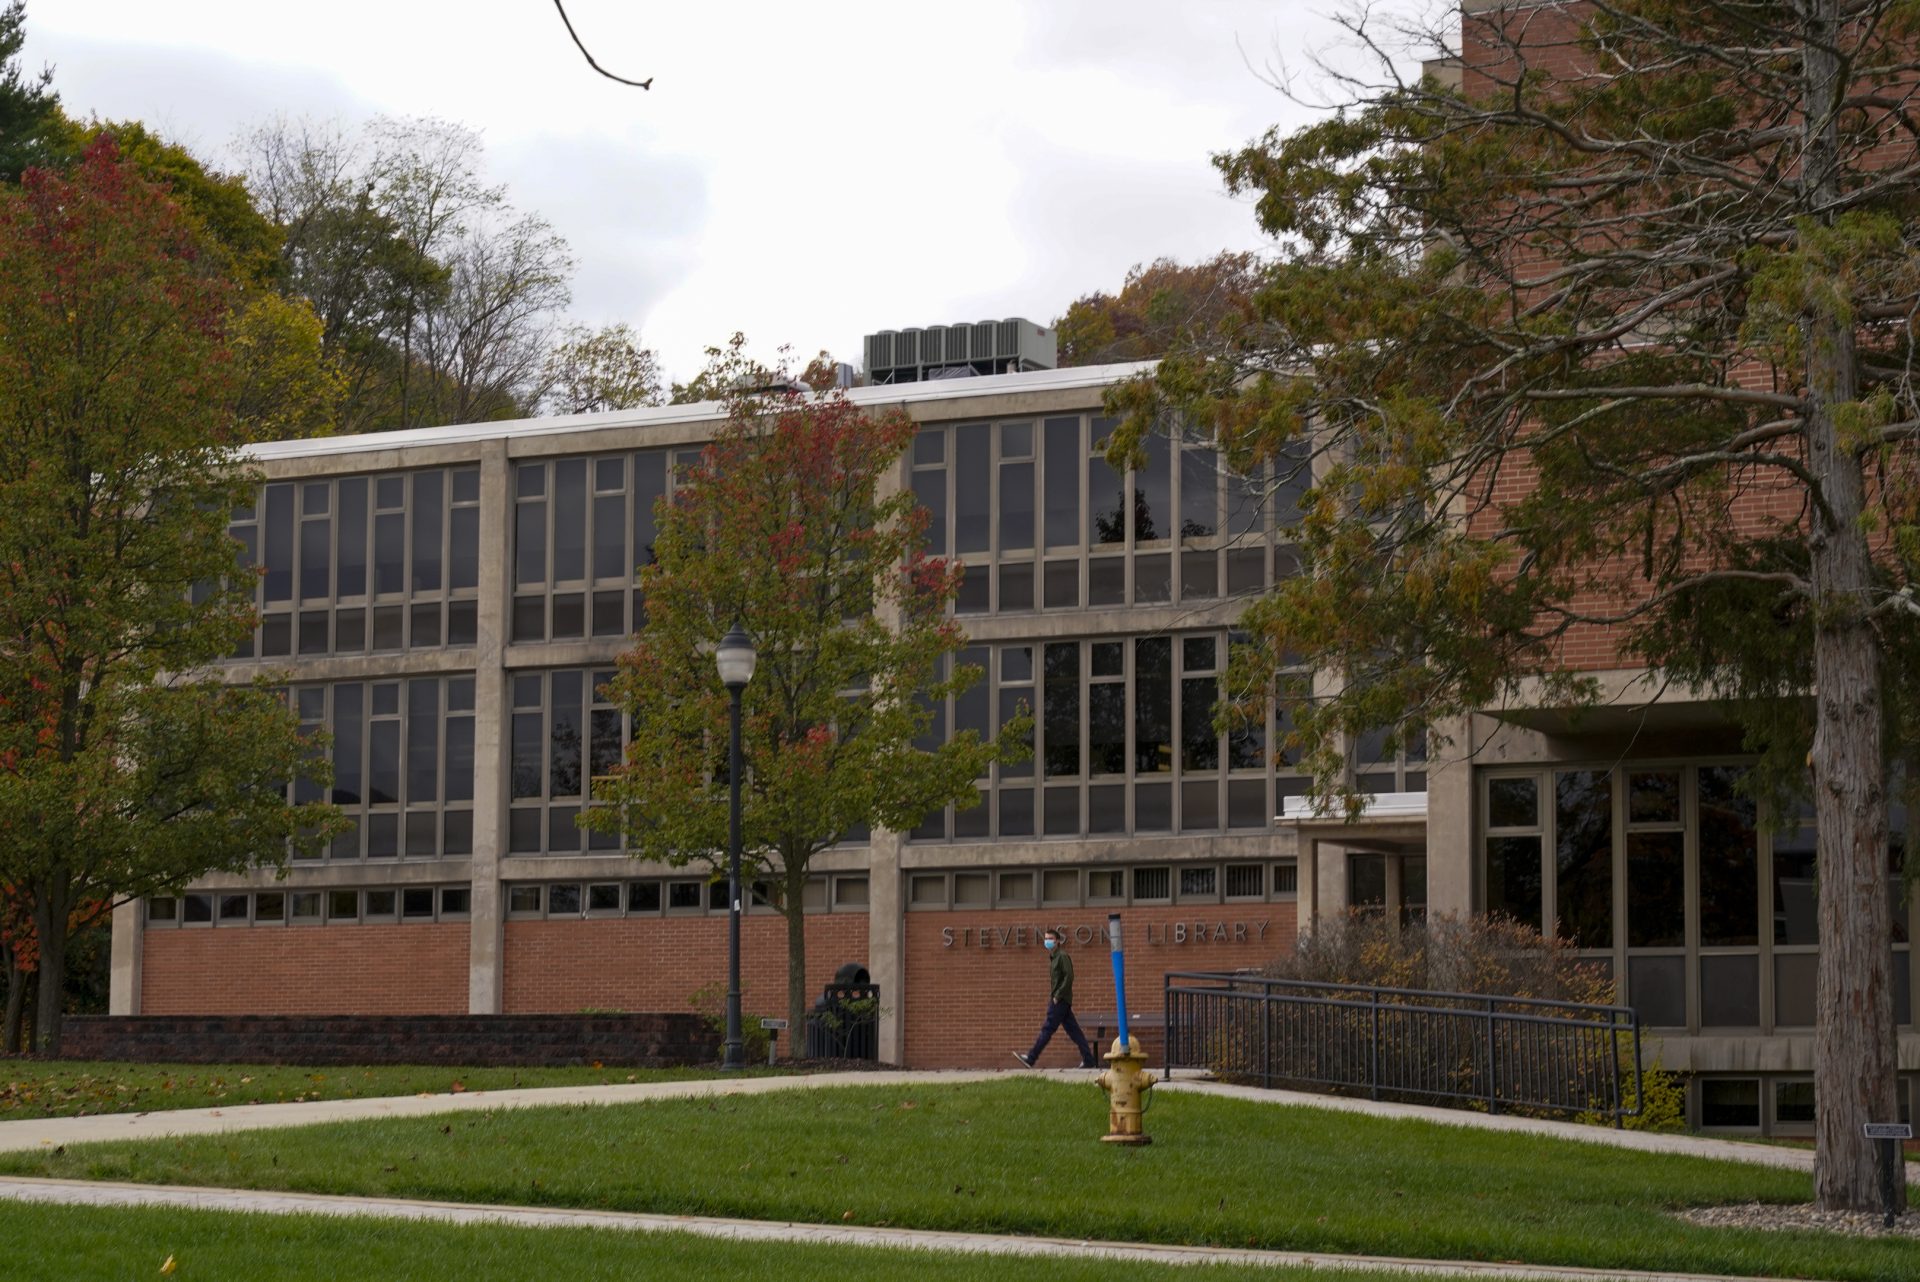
(518, 1040)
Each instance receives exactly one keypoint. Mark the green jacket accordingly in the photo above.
(1060, 972)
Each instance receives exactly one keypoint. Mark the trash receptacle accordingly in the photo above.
(845, 1021)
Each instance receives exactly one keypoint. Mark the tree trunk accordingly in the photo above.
(17, 983)
(1854, 1066)
(51, 1005)
(796, 910)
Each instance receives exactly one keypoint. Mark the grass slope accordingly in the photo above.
(1020, 1157)
(80, 1088)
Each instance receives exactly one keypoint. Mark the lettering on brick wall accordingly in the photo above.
(1176, 934)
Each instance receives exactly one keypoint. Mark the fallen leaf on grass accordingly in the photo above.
(169, 1266)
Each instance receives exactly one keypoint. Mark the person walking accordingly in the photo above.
(1059, 1005)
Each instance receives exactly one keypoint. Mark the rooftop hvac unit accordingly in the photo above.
(967, 347)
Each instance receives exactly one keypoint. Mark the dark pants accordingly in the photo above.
(1058, 1014)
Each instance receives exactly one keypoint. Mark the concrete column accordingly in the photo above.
(129, 941)
(1450, 845)
(886, 941)
(486, 974)
(1332, 861)
(1306, 902)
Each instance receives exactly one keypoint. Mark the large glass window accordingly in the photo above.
(582, 528)
(565, 731)
(356, 564)
(402, 764)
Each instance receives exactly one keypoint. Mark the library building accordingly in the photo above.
(447, 604)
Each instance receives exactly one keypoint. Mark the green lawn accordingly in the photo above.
(75, 1088)
(1020, 1156)
(62, 1243)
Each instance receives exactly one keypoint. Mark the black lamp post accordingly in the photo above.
(735, 659)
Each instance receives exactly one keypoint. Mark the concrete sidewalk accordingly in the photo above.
(103, 1194)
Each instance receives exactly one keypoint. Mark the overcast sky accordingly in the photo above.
(806, 173)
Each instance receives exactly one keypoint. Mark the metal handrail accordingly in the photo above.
(1493, 1051)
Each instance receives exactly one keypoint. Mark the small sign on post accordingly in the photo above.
(772, 1027)
(1888, 1135)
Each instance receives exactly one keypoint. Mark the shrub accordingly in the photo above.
(709, 1001)
(1494, 956)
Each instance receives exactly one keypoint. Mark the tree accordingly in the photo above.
(783, 529)
(124, 769)
(30, 119)
(1158, 305)
(1618, 336)
(593, 370)
(436, 298)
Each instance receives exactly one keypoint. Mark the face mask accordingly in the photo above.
(1050, 944)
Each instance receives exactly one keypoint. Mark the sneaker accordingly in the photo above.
(1025, 1061)
(1087, 1063)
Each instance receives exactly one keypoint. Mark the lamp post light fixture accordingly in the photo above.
(735, 658)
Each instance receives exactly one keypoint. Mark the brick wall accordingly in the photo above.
(979, 993)
(418, 968)
(525, 1040)
(656, 963)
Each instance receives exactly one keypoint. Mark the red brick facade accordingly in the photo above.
(414, 969)
(656, 964)
(977, 981)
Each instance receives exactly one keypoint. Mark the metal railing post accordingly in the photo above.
(1493, 1064)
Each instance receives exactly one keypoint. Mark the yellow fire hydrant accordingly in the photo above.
(1126, 1082)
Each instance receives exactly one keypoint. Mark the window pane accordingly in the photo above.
(610, 537)
(459, 759)
(1062, 729)
(528, 754)
(1106, 494)
(530, 543)
(383, 767)
(1107, 808)
(1729, 866)
(569, 520)
(1245, 502)
(1153, 491)
(1016, 507)
(1513, 878)
(315, 536)
(1199, 576)
(1513, 803)
(649, 485)
(1153, 705)
(1012, 702)
(353, 536)
(346, 744)
(1200, 806)
(1730, 991)
(1199, 493)
(1796, 900)
(464, 557)
(1016, 587)
(1152, 807)
(1062, 817)
(389, 553)
(279, 543)
(1107, 728)
(1199, 741)
(429, 502)
(1656, 890)
(972, 487)
(1583, 856)
(1653, 796)
(605, 728)
(423, 740)
(930, 491)
(564, 771)
(1107, 581)
(1062, 480)
(1152, 578)
(1062, 585)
